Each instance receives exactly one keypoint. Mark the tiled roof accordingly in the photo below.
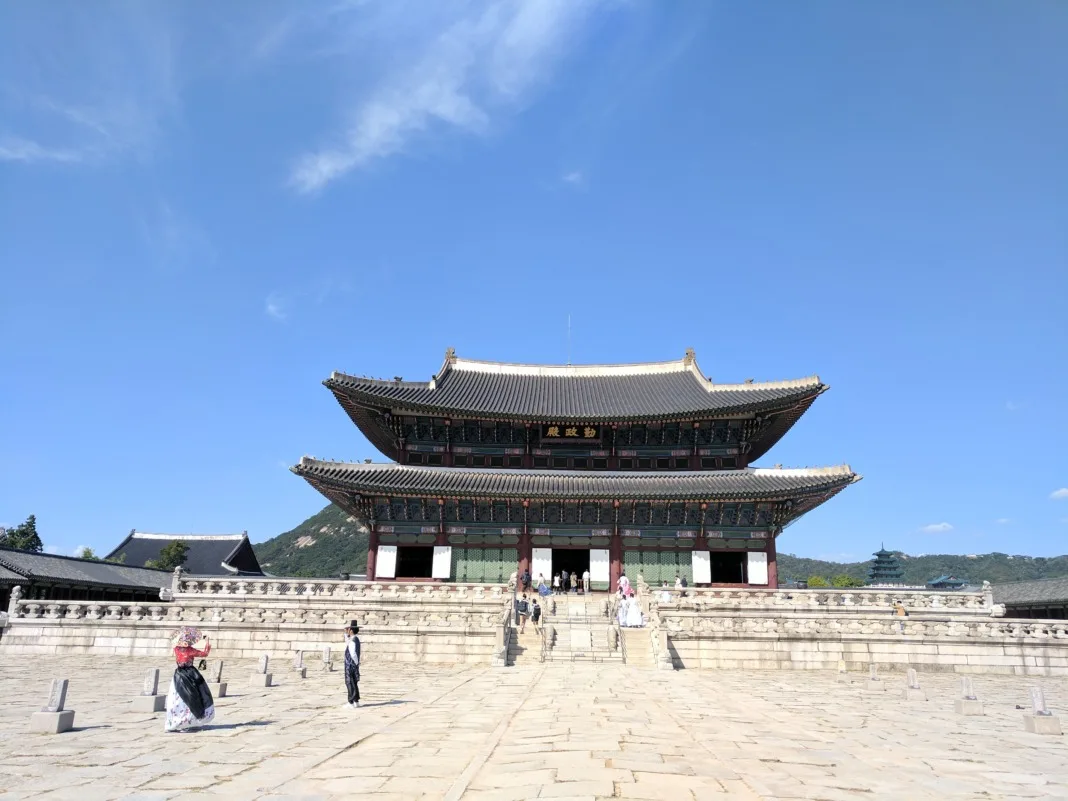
(71, 570)
(9, 577)
(616, 392)
(1041, 591)
(463, 482)
(208, 554)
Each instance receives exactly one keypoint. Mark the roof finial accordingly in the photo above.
(690, 357)
(450, 354)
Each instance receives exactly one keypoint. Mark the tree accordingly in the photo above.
(817, 581)
(171, 556)
(23, 537)
(87, 553)
(117, 560)
(842, 580)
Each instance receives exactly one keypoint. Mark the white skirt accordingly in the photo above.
(180, 717)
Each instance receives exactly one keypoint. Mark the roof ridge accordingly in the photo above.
(153, 535)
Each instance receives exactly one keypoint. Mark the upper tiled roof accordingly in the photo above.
(1041, 591)
(533, 484)
(71, 570)
(208, 554)
(614, 392)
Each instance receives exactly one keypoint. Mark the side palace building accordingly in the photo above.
(635, 468)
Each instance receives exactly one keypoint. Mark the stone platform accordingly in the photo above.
(534, 731)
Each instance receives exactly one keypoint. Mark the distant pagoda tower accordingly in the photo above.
(885, 569)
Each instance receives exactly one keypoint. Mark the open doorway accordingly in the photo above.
(575, 561)
(728, 568)
(415, 561)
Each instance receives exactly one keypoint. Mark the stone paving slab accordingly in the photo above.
(554, 731)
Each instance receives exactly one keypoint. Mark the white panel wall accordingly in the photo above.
(758, 567)
(541, 563)
(442, 562)
(599, 564)
(386, 563)
(702, 567)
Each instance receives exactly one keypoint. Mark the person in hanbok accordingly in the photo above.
(634, 612)
(624, 584)
(189, 703)
(621, 610)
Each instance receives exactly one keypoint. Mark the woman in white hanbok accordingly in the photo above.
(634, 613)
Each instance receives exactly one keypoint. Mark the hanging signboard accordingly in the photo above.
(570, 431)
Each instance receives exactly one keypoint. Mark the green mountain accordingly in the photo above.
(324, 546)
(332, 542)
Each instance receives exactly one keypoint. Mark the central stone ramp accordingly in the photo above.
(583, 630)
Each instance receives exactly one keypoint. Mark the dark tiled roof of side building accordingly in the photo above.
(208, 554)
(26, 565)
(1040, 591)
(534, 484)
(549, 393)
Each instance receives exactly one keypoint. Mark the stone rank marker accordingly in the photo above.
(874, 683)
(298, 665)
(215, 682)
(328, 664)
(842, 676)
(53, 718)
(1041, 720)
(261, 678)
(967, 704)
(149, 700)
(913, 692)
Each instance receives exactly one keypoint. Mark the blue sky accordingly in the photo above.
(205, 208)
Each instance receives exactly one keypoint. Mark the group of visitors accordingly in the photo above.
(525, 609)
(629, 612)
(564, 582)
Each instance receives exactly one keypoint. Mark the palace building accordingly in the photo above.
(635, 468)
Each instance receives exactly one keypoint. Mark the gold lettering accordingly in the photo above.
(571, 432)
(554, 431)
(589, 433)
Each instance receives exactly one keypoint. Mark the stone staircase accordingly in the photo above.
(637, 647)
(582, 631)
(524, 648)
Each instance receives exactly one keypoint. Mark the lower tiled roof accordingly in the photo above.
(464, 482)
(1041, 591)
(71, 570)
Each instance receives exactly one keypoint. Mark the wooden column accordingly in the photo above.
(615, 552)
(372, 551)
(773, 571)
(526, 551)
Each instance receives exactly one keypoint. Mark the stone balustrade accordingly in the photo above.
(836, 601)
(421, 592)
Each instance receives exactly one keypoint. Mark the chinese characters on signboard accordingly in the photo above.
(565, 431)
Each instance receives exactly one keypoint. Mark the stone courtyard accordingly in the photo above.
(554, 731)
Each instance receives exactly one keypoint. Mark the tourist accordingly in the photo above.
(523, 612)
(678, 583)
(556, 584)
(565, 582)
(624, 584)
(586, 581)
(634, 612)
(535, 615)
(352, 664)
(189, 703)
(526, 581)
(621, 609)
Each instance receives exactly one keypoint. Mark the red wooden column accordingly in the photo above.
(773, 571)
(372, 552)
(615, 553)
(526, 552)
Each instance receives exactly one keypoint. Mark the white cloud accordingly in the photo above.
(55, 550)
(837, 557)
(1059, 495)
(1003, 521)
(275, 307)
(937, 528)
(457, 67)
(85, 82)
(575, 178)
(1012, 406)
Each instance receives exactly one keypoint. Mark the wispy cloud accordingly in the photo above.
(457, 68)
(85, 82)
(575, 178)
(1013, 406)
(174, 240)
(937, 528)
(837, 557)
(1059, 495)
(275, 307)
(1002, 521)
